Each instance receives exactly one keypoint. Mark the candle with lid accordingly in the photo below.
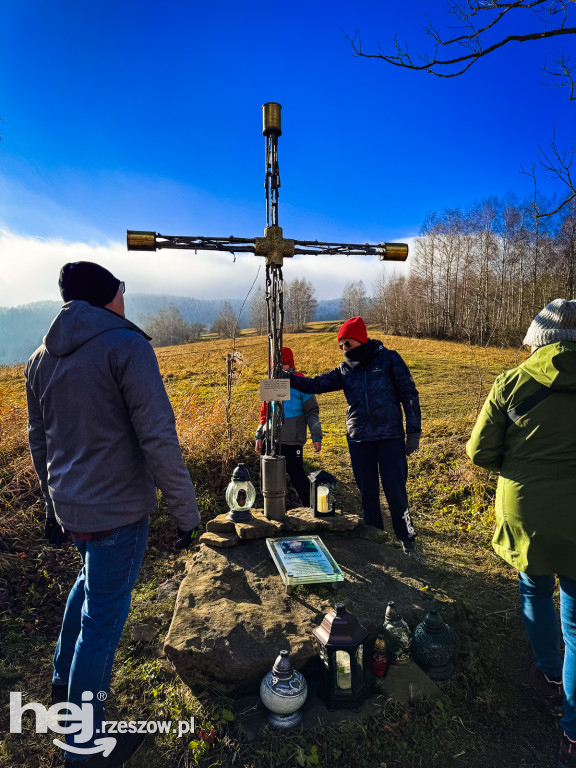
(397, 634)
(380, 660)
(283, 692)
(435, 646)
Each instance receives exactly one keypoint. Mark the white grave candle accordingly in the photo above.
(322, 497)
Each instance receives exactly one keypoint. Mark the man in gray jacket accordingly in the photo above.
(102, 437)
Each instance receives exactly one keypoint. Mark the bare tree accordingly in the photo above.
(481, 28)
(226, 322)
(196, 330)
(168, 327)
(258, 311)
(566, 242)
(354, 300)
(299, 303)
(557, 164)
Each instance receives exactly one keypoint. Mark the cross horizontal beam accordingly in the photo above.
(152, 241)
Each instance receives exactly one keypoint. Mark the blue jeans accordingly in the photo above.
(388, 457)
(96, 611)
(545, 634)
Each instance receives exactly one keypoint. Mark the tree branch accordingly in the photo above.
(404, 59)
(456, 10)
(565, 73)
(473, 39)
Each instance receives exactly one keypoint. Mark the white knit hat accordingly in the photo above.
(556, 322)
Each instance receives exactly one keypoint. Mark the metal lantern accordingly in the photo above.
(397, 634)
(240, 495)
(283, 692)
(322, 500)
(435, 646)
(341, 643)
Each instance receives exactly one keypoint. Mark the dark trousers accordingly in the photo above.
(296, 473)
(388, 457)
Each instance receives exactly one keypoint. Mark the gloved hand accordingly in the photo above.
(187, 537)
(412, 443)
(53, 532)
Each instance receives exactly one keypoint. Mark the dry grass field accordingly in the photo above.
(485, 716)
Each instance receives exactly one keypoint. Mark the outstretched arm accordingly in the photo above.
(316, 385)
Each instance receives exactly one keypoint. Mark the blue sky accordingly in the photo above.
(147, 115)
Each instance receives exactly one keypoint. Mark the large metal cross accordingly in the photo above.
(274, 247)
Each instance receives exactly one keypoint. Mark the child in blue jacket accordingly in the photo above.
(300, 411)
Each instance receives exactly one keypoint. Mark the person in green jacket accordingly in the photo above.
(526, 431)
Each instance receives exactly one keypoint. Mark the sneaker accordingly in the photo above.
(550, 691)
(409, 548)
(567, 756)
(126, 745)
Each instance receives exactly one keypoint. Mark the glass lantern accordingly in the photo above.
(340, 640)
(322, 500)
(240, 495)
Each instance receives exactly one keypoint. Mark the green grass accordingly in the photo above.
(485, 716)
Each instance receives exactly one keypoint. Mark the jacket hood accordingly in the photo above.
(78, 322)
(554, 365)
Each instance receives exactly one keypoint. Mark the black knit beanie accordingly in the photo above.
(89, 282)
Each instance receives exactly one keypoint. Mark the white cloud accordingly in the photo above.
(29, 269)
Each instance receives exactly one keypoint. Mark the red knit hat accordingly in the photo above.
(288, 357)
(355, 328)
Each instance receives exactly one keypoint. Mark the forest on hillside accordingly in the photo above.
(23, 328)
(480, 275)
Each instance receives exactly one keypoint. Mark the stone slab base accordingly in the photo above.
(220, 532)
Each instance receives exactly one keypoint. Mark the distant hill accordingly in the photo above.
(23, 328)
(329, 309)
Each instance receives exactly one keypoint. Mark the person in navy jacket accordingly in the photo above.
(300, 411)
(380, 392)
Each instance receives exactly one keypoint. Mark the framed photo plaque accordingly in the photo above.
(303, 560)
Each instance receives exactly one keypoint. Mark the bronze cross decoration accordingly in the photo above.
(274, 247)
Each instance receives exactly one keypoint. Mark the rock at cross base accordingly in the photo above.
(302, 519)
(232, 615)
